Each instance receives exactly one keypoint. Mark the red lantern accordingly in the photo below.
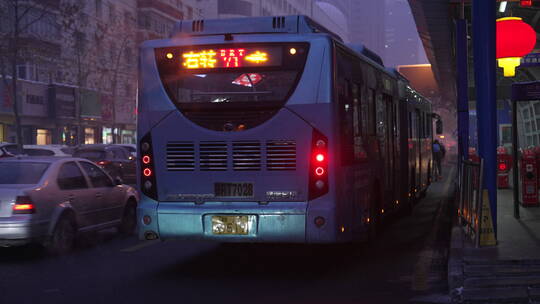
(515, 39)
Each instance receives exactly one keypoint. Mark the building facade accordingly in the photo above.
(367, 24)
(77, 60)
(332, 14)
(77, 67)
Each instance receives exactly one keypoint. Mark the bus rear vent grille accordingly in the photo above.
(278, 22)
(281, 155)
(180, 156)
(213, 156)
(247, 155)
(197, 26)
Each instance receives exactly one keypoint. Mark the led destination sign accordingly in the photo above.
(211, 58)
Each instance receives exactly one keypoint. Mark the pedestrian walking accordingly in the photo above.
(438, 155)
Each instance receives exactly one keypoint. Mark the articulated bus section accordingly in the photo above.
(278, 133)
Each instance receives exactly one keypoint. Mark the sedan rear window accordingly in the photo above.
(90, 154)
(38, 152)
(22, 172)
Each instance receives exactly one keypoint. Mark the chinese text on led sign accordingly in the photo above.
(227, 58)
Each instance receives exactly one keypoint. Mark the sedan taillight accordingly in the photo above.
(23, 205)
(103, 162)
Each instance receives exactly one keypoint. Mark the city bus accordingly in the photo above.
(271, 129)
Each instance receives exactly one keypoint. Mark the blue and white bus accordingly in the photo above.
(271, 129)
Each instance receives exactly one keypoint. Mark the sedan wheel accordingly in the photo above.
(63, 238)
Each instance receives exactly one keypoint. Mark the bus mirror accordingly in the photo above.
(438, 126)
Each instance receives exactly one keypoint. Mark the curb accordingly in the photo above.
(455, 259)
(456, 274)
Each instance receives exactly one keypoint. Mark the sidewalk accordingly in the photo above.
(506, 273)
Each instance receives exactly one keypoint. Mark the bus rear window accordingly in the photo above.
(256, 79)
(227, 74)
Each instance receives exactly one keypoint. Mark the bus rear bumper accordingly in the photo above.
(275, 222)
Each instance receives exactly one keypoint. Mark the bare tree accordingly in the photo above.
(19, 16)
(74, 22)
(121, 36)
(98, 45)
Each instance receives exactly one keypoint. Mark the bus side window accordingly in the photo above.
(372, 121)
(410, 124)
(346, 120)
(345, 106)
(357, 125)
(364, 110)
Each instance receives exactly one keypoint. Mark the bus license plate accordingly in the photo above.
(230, 224)
(233, 189)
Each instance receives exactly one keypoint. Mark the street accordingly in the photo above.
(408, 260)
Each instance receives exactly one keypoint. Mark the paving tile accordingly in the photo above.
(496, 270)
(534, 293)
(496, 295)
(501, 281)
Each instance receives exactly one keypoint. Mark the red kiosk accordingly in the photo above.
(529, 179)
(504, 163)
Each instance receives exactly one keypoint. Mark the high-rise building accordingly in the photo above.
(402, 44)
(332, 14)
(366, 24)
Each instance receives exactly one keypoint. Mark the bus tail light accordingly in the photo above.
(23, 205)
(147, 172)
(318, 168)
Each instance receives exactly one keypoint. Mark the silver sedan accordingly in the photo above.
(50, 200)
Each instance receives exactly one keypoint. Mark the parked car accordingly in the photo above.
(46, 150)
(132, 148)
(50, 200)
(5, 153)
(116, 160)
(9, 147)
(38, 150)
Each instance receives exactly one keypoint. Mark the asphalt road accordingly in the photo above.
(407, 261)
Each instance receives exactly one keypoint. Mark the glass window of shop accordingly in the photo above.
(89, 136)
(43, 137)
(107, 136)
(128, 137)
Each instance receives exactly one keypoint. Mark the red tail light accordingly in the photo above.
(103, 162)
(318, 169)
(148, 177)
(147, 172)
(525, 3)
(23, 205)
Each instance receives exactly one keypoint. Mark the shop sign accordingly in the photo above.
(531, 60)
(106, 107)
(34, 99)
(90, 104)
(64, 102)
(524, 91)
(6, 102)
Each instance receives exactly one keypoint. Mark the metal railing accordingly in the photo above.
(470, 198)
